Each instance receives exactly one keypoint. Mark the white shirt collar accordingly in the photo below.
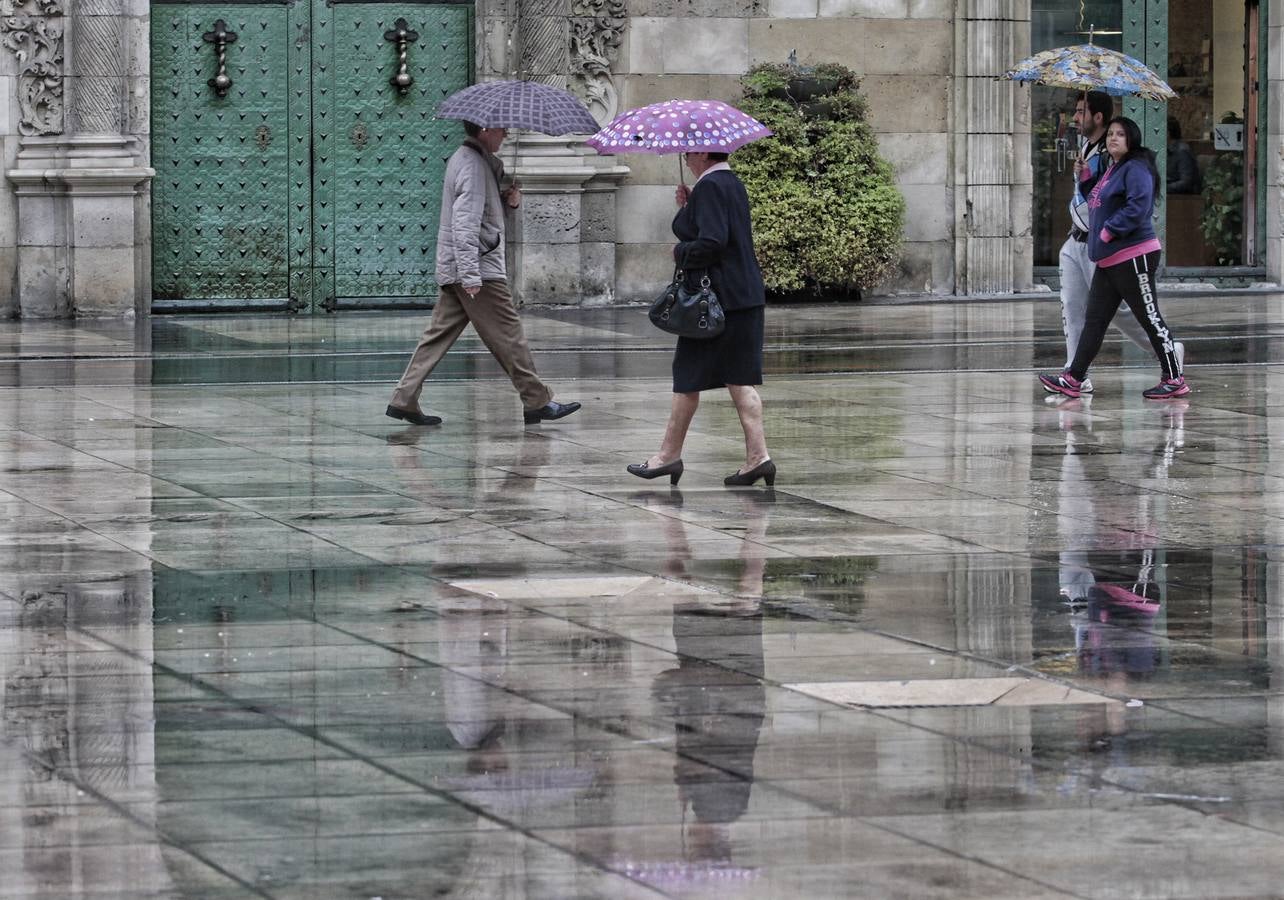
(716, 167)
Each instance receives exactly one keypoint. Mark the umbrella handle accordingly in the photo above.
(682, 180)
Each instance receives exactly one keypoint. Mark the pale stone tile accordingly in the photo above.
(935, 692)
(907, 47)
(554, 588)
(645, 40)
(890, 96)
(1046, 693)
(917, 158)
(929, 212)
(868, 9)
(646, 213)
(931, 9)
(792, 9)
(713, 46)
(815, 40)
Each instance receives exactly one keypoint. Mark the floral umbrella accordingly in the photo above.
(1087, 67)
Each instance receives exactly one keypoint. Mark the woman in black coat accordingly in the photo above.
(715, 237)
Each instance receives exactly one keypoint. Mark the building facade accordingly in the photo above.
(283, 155)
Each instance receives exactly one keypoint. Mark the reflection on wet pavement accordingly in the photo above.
(258, 640)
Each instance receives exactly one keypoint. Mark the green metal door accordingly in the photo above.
(311, 181)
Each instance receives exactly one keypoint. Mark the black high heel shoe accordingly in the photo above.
(672, 469)
(765, 470)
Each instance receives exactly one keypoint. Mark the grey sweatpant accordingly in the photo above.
(1076, 277)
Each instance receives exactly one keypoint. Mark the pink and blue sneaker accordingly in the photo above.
(1062, 383)
(1168, 389)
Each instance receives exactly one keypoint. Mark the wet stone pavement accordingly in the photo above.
(257, 640)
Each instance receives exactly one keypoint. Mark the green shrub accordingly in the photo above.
(827, 215)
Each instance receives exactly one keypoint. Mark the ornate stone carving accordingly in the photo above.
(597, 30)
(32, 29)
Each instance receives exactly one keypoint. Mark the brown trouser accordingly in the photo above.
(496, 321)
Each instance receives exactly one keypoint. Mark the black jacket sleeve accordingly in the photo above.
(708, 217)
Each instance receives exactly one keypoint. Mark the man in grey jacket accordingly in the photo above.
(474, 284)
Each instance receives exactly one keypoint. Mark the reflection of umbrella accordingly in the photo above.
(1121, 596)
(679, 126)
(1087, 67)
(519, 104)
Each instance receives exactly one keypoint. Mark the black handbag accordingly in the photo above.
(687, 313)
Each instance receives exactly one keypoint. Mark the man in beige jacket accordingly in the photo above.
(474, 284)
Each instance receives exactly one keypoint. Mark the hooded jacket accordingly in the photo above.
(1122, 203)
(470, 232)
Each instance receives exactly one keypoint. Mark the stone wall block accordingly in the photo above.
(543, 274)
(101, 286)
(8, 109)
(43, 282)
(869, 9)
(550, 218)
(597, 217)
(989, 210)
(931, 9)
(8, 282)
(102, 221)
(597, 273)
(904, 47)
(792, 9)
(686, 9)
(645, 213)
(925, 267)
(816, 40)
(138, 118)
(642, 40)
(44, 222)
(928, 212)
(137, 47)
(642, 270)
(493, 49)
(706, 46)
(917, 104)
(917, 158)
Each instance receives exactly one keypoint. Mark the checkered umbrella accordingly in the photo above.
(679, 126)
(519, 104)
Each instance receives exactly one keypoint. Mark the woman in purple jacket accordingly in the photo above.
(1123, 244)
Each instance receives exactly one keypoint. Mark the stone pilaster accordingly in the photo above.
(1272, 119)
(562, 241)
(991, 128)
(81, 177)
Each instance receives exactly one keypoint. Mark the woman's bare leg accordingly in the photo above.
(749, 408)
(681, 413)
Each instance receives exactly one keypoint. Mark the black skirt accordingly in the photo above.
(733, 357)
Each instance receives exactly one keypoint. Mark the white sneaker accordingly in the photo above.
(1179, 350)
(1085, 386)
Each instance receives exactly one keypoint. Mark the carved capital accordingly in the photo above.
(597, 30)
(32, 30)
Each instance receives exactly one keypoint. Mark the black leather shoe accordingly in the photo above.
(672, 469)
(765, 470)
(413, 416)
(549, 411)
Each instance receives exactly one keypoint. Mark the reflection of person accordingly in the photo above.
(1091, 113)
(715, 238)
(1123, 244)
(717, 698)
(474, 283)
(1183, 170)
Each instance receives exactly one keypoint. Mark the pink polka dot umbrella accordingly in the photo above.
(679, 126)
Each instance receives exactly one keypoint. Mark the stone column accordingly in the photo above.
(1271, 117)
(83, 222)
(992, 170)
(563, 240)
